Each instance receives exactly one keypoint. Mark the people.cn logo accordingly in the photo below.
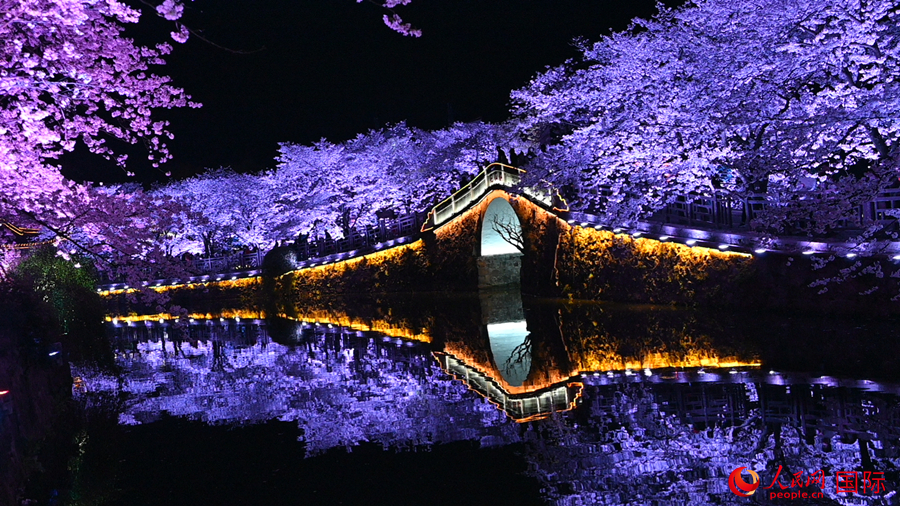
(740, 487)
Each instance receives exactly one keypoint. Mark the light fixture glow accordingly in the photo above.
(851, 255)
(759, 250)
(808, 252)
(691, 242)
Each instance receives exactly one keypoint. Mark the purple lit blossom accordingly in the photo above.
(732, 97)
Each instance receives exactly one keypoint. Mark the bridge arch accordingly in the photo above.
(501, 244)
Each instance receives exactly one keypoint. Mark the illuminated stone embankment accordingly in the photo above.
(562, 260)
(558, 259)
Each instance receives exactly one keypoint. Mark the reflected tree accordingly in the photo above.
(509, 230)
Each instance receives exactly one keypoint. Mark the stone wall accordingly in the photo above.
(600, 265)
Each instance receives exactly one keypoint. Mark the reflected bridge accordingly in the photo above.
(524, 407)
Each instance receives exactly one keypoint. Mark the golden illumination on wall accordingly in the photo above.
(244, 314)
(599, 264)
(367, 325)
(599, 240)
(227, 284)
(603, 362)
(333, 271)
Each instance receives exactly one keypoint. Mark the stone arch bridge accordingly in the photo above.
(494, 232)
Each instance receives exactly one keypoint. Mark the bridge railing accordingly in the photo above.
(878, 209)
(230, 263)
(495, 175)
(360, 238)
(727, 212)
(386, 230)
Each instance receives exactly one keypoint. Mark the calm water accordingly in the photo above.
(487, 399)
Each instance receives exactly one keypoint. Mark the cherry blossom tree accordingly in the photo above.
(226, 209)
(329, 187)
(733, 98)
(67, 75)
(401, 168)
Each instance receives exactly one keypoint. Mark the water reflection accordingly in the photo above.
(680, 441)
(612, 405)
(511, 350)
(34, 424)
(342, 386)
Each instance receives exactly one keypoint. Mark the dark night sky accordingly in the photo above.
(331, 68)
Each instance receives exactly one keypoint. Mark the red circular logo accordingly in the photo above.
(740, 487)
